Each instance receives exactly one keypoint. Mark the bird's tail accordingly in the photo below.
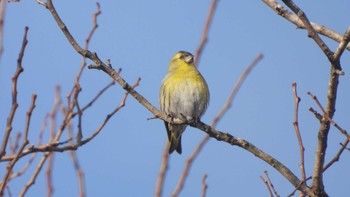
(174, 136)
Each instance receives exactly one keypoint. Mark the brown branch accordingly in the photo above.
(320, 29)
(342, 45)
(343, 131)
(77, 167)
(95, 98)
(94, 26)
(53, 147)
(204, 37)
(333, 160)
(30, 161)
(14, 106)
(48, 173)
(31, 181)
(312, 33)
(25, 142)
(2, 16)
(52, 115)
(317, 184)
(337, 156)
(13, 147)
(318, 116)
(267, 185)
(88, 39)
(204, 185)
(162, 170)
(270, 183)
(236, 141)
(297, 132)
(235, 89)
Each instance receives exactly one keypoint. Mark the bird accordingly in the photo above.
(183, 93)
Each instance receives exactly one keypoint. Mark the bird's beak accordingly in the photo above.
(189, 59)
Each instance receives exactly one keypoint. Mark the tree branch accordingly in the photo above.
(280, 10)
(204, 37)
(14, 95)
(24, 144)
(297, 132)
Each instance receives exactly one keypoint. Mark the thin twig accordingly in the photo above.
(32, 179)
(337, 156)
(25, 142)
(2, 16)
(235, 89)
(53, 121)
(77, 167)
(15, 145)
(204, 185)
(343, 131)
(14, 106)
(342, 45)
(204, 37)
(267, 185)
(31, 159)
(95, 98)
(317, 115)
(270, 183)
(297, 132)
(162, 170)
(330, 163)
(88, 39)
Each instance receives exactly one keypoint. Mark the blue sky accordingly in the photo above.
(141, 37)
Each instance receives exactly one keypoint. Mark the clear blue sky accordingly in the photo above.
(140, 37)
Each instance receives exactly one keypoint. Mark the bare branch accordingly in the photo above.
(312, 33)
(2, 16)
(34, 175)
(77, 167)
(204, 37)
(337, 156)
(14, 95)
(235, 89)
(204, 185)
(267, 185)
(343, 43)
(297, 132)
(270, 183)
(162, 170)
(343, 131)
(280, 10)
(24, 144)
(236, 141)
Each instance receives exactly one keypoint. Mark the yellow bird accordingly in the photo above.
(184, 93)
